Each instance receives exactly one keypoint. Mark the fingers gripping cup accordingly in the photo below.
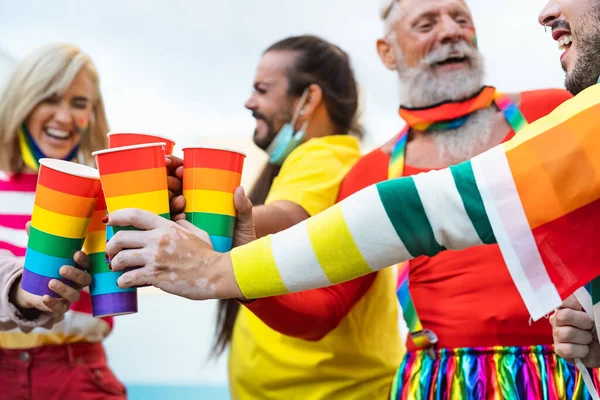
(65, 199)
(210, 176)
(121, 139)
(107, 298)
(134, 177)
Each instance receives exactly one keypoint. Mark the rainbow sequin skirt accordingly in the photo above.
(498, 373)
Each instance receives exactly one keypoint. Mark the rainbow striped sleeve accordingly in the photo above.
(536, 196)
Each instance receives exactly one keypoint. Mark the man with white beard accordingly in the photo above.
(470, 333)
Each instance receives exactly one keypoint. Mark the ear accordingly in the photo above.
(314, 98)
(387, 54)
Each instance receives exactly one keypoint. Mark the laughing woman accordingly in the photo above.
(51, 107)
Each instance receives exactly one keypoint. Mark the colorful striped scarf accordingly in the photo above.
(31, 152)
(511, 112)
(536, 200)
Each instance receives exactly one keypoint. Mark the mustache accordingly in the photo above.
(258, 115)
(450, 50)
(561, 23)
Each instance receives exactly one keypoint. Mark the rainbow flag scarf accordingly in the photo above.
(538, 201)
(451, 115)
(424, 338)
(32, 153)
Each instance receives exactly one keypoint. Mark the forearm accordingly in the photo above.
(312, 314)
(379, 226)
(273, 218)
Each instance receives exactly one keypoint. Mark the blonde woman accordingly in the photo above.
(51, 107)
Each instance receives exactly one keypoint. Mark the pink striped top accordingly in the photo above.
(17, 194)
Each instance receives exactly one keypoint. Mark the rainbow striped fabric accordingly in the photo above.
(448, 115)
(62, 210)
(31, 152)
(511, 112)
(536, 200)
(210, 176)
(508, 373)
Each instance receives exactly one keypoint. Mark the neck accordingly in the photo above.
(320, 128)
(484, 129)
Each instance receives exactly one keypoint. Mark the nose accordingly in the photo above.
(251, 104)
(549, 13)
(63, 114)
(451, 31)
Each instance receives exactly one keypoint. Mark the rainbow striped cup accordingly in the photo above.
(125, 138)
(107, 298)
(210, 176)
(121, 139)
(65, 199)
(134, 177)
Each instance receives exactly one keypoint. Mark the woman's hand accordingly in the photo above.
(29, 304)
(176, 257)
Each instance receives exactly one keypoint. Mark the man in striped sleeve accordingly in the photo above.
(574, 28)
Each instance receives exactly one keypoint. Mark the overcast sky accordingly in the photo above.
(186, 67)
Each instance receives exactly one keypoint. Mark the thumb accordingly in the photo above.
(28, 227)
(572, 303)
(244, 224)
(243, 205)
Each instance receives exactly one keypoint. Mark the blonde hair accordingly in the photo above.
(47, 71)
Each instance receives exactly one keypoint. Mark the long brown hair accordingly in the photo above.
(326, 65)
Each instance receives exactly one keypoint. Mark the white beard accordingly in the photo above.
(421, 87)
(471, 139)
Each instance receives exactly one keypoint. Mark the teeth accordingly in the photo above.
(565, 41)
(58, 133)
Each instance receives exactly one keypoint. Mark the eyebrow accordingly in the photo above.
(80, 98)
(424, 15)
(262, 83)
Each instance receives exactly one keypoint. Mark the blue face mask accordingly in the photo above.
(288, 138)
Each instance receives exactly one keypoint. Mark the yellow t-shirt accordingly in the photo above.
(355, 361)
(311, 175)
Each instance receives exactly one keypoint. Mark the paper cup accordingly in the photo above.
(107, 298)
(134, 177)
(65, 199)
(121, 139)
(210, 176)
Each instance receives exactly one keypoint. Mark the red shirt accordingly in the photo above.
(467, 298)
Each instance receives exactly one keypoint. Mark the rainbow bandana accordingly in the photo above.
(32, 153)
(440, 117)
(450, 115)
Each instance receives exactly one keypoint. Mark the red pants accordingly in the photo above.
(68, 372)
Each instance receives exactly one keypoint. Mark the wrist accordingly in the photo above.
(18, 297)
(226, 286)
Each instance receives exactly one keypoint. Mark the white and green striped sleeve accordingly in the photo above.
(382, 225)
